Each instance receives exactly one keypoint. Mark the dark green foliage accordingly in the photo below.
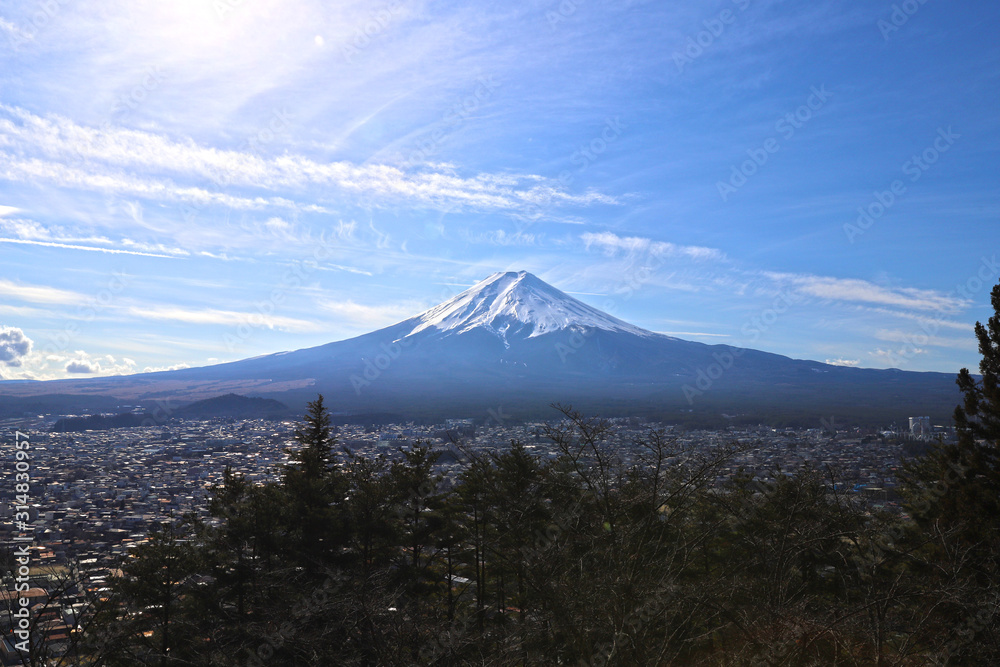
(953, 494)
(958, 486)
(575, 560)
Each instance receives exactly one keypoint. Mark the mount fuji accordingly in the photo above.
(513, 344)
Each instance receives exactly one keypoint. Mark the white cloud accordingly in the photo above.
(71, 246)
(14, 346)
(278, 226)
(39, 293)
(157, 369)
(897, 358)
(152, 249)
(224, 317)
(921, 338)
(82, 363)
(82, 366)
(927, 323)
(347, 269)
(370, 316)
(23, 311)
(8, 210)
(501, 237)
(115, 154)
(855, 290)
(850, 363)
(116, 182)
(612, 244)
(30, 230)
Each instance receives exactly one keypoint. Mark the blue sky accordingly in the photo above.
(198, 181)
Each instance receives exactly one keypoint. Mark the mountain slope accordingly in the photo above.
(518, 304)
(514, 341)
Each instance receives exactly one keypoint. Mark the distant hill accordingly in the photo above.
(233, 405)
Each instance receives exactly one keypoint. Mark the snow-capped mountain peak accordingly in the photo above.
(516, 303)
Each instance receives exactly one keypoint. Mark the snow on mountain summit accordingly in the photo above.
(516, 303)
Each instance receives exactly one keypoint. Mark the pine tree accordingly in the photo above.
(957, 486)
(152, 588)
(953, 494)
(315, 491)
(314, 459)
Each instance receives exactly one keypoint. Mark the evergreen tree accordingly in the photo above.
(957, 486)
(314, 459)
(953, 493)
(315, 491)
(153, 586)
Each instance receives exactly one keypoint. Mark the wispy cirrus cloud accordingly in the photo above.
(853, 290)
(899, 336)
(500, 237)
(223, 317)
(28, 232)
(362, 315)
(39, 293)
(927, 322)
(70, 246)
(345, 269)
(613, 244)
(115, 181)
(113, 156)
